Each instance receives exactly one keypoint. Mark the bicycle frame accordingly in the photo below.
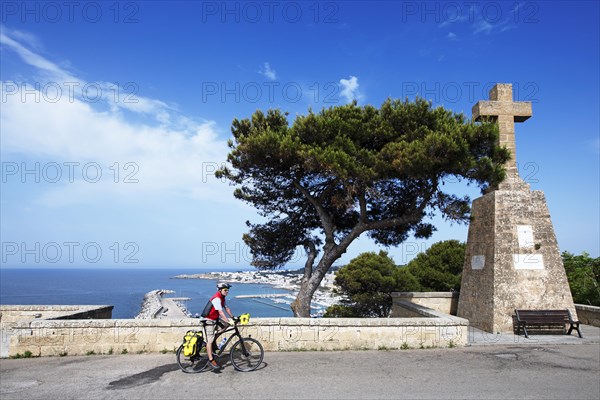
(246, 353)
(234, 328)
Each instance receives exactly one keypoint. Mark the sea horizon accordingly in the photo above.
(133, 267)
(124, 288)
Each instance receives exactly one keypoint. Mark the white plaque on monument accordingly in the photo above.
(525, 235)
(477, 262)
(528, 261)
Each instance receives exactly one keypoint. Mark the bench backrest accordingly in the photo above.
(543, 315)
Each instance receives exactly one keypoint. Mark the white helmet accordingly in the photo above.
(222, 285)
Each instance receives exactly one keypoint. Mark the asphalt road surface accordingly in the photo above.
(485, 372)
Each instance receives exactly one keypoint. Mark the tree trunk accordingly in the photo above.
(301, 306)
(311, 281)
(312, 278)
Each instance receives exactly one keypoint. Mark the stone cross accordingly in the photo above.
(505, 112)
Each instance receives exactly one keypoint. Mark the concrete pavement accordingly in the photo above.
(591, 335)
(514, 371)
(170, 310)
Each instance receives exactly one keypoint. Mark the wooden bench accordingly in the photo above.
(525, 318)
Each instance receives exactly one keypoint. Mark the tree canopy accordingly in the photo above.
(583, 273)
(347, 170)
(439, 269)
(366, 283)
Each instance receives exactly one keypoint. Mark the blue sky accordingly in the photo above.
(115, 115)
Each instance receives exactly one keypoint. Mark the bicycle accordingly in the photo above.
(246, 354)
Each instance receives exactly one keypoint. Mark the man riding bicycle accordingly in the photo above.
(194, 354)
(216, 319)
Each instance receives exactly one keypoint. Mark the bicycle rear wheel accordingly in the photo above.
(247, 354)
(192, 364)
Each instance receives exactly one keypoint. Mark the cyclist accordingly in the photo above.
(216, 319)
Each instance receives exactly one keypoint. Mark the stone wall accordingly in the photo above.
(444, 302)
(18, 313)
(588, 315)
(80, 337)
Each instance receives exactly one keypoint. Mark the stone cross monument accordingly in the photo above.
(505, 112)
(512, 258)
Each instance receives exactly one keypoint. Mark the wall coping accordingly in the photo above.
(586, 307)
(39, 312)
(438, 319)
(425, 294)
(431, 314)
(8, 307)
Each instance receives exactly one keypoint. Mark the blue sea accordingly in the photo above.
(125, 288)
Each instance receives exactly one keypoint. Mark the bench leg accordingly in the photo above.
(576, 327)
(519, 325)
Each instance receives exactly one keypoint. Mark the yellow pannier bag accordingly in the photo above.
(244, 319)
(191, 341)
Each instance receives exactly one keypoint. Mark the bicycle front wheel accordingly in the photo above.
(192, 364)
(247, 354)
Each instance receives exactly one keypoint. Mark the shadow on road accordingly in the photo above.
(143, 378)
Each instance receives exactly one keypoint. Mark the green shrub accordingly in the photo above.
(26, 354)
(583, 274)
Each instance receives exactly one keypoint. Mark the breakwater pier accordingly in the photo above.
(155, 306)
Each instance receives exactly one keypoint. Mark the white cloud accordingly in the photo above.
(350, 89)
(268, 72)
(480, 21)
(31, 40)
(454, 19)
(170, 153)
(34, 59)
(482, 26)
(117, 98)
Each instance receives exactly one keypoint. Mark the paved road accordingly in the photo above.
(479, 372)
